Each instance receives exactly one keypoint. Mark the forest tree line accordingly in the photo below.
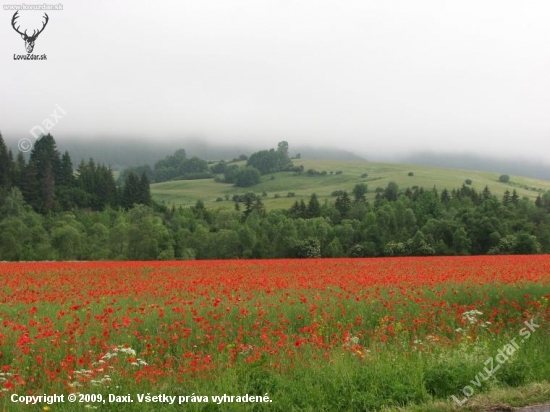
(49, 182)
(52, 211)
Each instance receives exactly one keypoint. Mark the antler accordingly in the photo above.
(15, 16)
(43, 26)
(34, 34)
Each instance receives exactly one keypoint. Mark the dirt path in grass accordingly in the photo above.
(535, 408)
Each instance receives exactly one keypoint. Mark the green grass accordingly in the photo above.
(394, 380)
(186, 193)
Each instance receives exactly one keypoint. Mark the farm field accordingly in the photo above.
(187, 192)
(315, 335)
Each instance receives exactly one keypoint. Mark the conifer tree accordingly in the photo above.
(47, 188)
(313, 207)
(144, 190)
(6, 165)
(131, 191)
(30, 186)
(66, 177)
(506, 198)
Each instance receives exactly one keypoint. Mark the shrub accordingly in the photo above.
(245, 197)
(504, 178)
(247, 176)
(468, 181)
(410, 174)
(219, 168)
(308, 248)
(364, 175)
(290, 194)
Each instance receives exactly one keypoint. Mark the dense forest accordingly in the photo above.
(50, 210)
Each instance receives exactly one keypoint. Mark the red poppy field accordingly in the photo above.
(325, 334)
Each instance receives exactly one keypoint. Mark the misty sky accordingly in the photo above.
(368, 76)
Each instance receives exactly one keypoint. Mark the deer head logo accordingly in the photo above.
(29, 40)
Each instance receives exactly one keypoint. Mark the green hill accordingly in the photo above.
(187, 192)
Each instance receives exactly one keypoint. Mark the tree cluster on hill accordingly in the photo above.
(259, 163)
(179, 166)
(243, 176)
(173, 167)
(271, 161)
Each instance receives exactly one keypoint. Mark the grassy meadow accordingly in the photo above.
(187, 192)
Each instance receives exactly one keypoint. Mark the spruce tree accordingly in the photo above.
(144, 190)
(30, 186)
(5, 165)
(248, 204)
(105, 188)
(295, 210)
(259, 207)
(506, 198)
(66, 177)
(47, 188)
(313, 207)
(43, 153)
(343, 204)
(445, 196)
(131, 191)
(18, 169)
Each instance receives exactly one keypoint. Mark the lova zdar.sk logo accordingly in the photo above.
(29, 40)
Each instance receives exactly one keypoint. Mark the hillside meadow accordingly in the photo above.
(187, 192)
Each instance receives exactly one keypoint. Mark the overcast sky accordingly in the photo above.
(379, 76)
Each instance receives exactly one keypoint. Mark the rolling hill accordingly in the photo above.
(278, 185)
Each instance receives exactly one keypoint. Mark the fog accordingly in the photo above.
(379, 78)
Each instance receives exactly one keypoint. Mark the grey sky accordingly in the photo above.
(361, 75)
